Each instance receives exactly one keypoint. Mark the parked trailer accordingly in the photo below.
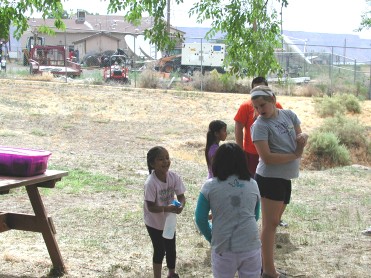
(31, 42)
(203, 57)
(52, 58)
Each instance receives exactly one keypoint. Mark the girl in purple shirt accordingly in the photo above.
(217, 132)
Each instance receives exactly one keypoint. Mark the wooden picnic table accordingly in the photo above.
(39, 222)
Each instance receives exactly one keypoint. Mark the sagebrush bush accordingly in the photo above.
(214, 82)
(349, 131)
(350, 102)
(307, 90)
(149, 79)
(328, 106)
(326, 150)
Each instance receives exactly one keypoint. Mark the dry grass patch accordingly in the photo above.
(107, 131)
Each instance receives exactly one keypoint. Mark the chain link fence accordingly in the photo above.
(332, 68)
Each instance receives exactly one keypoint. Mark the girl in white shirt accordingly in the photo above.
(160, 189)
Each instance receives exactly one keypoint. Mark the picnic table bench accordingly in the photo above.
(39, 222)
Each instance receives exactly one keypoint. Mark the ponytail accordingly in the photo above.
(214, 126)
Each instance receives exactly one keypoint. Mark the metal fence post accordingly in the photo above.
(331, 68)
(202, 57)
(355, 71)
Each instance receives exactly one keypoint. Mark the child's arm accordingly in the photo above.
(257, 210)
(202, 216)
(152, 207)
(181, 198)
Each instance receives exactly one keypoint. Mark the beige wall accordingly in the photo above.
(95, 44)
(100, 44)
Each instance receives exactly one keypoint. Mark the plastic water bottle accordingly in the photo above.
(170, 223)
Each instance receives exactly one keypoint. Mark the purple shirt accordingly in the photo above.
(211, 153)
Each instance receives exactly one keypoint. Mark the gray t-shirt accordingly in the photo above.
(281, 136)
(232, 204)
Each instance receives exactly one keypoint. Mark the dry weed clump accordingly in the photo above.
(214, 82)
(307, 90)
(101, 137)
(243, 86)
(44, 76)
(149, 79)
(185, 84)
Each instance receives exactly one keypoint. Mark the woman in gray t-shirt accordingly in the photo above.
(279, 142)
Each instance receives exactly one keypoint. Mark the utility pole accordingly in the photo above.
(345, 50)
(168, 17)
(168, 24)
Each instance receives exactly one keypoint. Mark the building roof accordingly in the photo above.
(102, 33)
(97, 23)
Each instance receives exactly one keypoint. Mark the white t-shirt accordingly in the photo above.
(162, 194)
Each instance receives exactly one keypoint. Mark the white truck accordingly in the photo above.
(202, 57)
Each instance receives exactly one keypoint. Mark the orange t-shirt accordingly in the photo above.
(245, 116)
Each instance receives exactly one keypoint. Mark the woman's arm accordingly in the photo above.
(274, 158)
(301, 140)
(268, 157)
(202, 216)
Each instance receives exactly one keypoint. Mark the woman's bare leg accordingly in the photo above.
(271, 215)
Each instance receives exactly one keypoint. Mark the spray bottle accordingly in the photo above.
(170, 223)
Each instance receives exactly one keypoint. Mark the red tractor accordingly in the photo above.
(116, 69)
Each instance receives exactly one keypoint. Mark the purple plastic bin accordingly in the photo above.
(20, 162)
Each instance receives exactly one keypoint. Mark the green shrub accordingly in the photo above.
(348, 131)
(328, 106)
(326, 150)
(350, 102)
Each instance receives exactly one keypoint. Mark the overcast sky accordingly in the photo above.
(321, 16)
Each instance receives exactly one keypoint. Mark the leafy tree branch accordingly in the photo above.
(251, 30)
(15, 13)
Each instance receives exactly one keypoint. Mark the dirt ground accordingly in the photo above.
(107, 130)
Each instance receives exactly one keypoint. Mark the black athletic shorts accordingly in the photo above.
(275, 189)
